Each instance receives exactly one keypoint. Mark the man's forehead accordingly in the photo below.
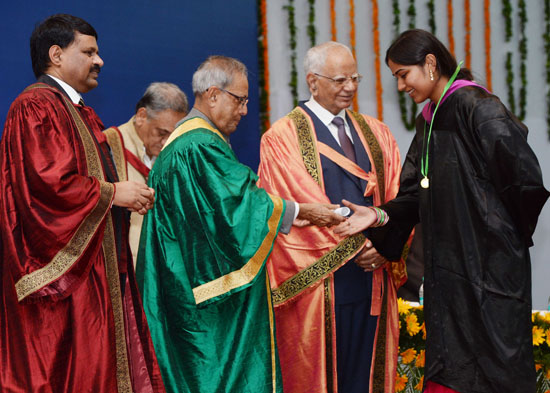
(240, 81)
(339, 61)
(84, 40)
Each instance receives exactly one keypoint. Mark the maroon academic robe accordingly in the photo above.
(71, 319)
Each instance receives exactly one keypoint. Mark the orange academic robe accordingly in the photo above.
(302, 263)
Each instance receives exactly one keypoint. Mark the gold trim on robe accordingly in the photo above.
(325, 265)
(250, 270)
(116, 143)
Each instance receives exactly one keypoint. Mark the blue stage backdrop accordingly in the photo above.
(142, 42)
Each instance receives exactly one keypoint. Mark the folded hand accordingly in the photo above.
(369, 259)
(136, 196)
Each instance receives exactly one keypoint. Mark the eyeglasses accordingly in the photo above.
(242, 100)
(355, 79)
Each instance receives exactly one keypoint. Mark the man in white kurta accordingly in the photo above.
(144, 135)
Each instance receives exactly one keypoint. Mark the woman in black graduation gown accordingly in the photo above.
(475, 185)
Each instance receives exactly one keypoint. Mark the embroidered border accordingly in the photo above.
(307, 144)
(111, 263)
(124, 382)
(328, 336)
(68, 255)
(245, 274)
(376, 151)
(190, 125)
(379, 367)
(318, 270)
(272, 335)
(114, 139)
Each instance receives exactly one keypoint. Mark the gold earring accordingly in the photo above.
(431, 75)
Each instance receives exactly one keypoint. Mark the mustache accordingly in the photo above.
(95, 68)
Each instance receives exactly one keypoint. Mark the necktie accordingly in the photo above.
(81, 102)
(345, 142)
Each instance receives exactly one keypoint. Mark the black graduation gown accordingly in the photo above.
(478, 216)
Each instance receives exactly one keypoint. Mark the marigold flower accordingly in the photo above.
(403, 306)
(548, 337)
(401, 382)
(412, 324)
(538, 336)
(408, 356)
(419, 384)
(423, 328)
(421, 359)
(538, 366)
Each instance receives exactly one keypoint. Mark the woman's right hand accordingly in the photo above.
(362, 218)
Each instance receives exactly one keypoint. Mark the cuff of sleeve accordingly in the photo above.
(291, 212)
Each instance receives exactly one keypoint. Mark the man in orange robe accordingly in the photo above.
(335, 298)
(71, 318)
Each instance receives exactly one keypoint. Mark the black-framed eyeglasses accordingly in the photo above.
(356, 78)
(243, 100)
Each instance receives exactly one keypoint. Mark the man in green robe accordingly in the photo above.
(203, 248)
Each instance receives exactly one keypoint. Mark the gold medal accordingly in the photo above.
(425, 183)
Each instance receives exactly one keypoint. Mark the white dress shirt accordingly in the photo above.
(72, 93)
(326, 118)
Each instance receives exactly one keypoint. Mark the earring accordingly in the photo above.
(431, 75)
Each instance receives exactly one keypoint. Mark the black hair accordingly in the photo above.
(59, 30)
(412, 47)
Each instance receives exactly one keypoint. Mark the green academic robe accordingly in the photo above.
(201, 267)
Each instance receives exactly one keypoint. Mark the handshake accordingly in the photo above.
(321, 215)
(327, 215)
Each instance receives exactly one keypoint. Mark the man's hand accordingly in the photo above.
(369, 259)
(318, 214)
(137, 197)
(362, 218)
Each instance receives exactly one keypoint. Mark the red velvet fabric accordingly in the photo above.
(432, 387)
(61, 336)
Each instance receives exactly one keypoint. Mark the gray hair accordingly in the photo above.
(161, 96)
(217, 71)
(316, 56)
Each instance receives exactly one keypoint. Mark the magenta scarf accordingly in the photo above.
(428, 109)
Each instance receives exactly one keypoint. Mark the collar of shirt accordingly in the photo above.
(148, 161)
(326, 118)
(72, 93)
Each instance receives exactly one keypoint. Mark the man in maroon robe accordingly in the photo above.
(71, 319)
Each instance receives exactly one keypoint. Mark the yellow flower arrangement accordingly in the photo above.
(421, 359)
(408, 356)
(412, 324)
(538, 336)
(412, 338)
(401, 382)
(420, 384)
(403, 306)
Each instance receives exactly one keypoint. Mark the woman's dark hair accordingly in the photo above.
(412, 46)
(56, 30)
